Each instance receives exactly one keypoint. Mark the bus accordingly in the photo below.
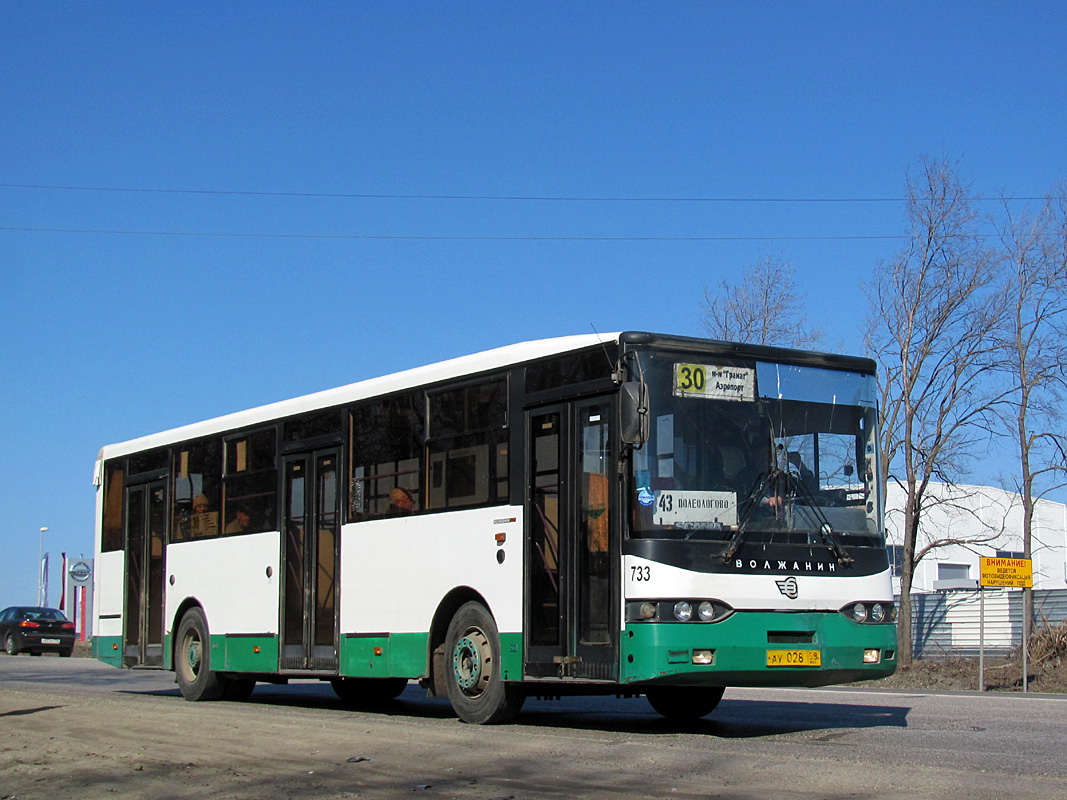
(628, 514)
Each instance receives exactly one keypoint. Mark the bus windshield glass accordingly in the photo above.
(772, 452)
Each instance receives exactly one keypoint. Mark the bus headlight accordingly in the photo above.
(696, 610)
(875, 613)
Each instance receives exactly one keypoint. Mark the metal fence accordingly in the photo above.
(948, 623)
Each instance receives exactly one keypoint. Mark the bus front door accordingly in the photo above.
(146, 537)
(310, 553)
(572, 542)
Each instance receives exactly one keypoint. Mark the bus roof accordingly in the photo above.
(488, 360)
(473, 364)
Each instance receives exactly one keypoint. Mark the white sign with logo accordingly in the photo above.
(80, 571)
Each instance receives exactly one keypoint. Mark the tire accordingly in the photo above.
(9, 645)
(368, 692)
(472, 669)
(237, 689)
(684, 703)
(192, 659)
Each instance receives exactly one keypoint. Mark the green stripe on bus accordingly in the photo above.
(511, 656)
(403, 655)
(245, 653)
(108, 649)
(663, 652)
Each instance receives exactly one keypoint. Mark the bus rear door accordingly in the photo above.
(146, 538)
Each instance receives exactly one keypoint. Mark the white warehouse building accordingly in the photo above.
(987, 522)
(949, 615)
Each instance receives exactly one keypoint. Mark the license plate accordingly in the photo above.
(49, 641)
(794, 658)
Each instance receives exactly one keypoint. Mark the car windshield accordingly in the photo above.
(773, 452)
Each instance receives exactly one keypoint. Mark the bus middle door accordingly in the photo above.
(572, 542)
(310, 554)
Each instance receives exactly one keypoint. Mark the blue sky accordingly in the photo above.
(288, 287)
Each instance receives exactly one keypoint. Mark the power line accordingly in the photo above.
(523, 198)
(246, 235)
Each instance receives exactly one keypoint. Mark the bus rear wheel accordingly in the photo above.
(192, 659)
(684, 703)
(472, 669)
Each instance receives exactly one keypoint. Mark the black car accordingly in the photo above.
(36, 630)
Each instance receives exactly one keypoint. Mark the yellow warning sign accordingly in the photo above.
(1007, 572)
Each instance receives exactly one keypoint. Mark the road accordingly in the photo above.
(75, 726)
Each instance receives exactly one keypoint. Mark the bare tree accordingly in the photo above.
(765, 307)
(1034, 354)
(932, 316)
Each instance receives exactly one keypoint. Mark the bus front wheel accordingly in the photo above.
(192, 659)
(472, 669)
(684, 703)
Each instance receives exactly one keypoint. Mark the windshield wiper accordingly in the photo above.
(752, 501)
(826, 530)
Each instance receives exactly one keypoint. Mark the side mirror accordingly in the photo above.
(633, 413)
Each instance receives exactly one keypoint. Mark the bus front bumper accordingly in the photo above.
(758, 649)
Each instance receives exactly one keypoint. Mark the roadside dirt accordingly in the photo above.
(135, 739)
(1046, 669)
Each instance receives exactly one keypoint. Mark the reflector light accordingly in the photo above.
(377, 651)
(501, 537)
(255, 649)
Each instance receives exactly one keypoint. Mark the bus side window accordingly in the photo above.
(387, 437)
(251, 483)
(467, 446)
(197, 490)
(111, 535)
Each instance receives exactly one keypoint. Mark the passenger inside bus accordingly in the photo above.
(242, 521)
(401, 502)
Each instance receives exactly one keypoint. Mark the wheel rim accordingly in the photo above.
(192, 649)
(471, 659)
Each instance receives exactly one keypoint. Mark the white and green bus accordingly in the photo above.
(623, 514)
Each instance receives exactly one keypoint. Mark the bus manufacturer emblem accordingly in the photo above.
(788, 587)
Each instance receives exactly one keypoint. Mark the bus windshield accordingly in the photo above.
(772, 452)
